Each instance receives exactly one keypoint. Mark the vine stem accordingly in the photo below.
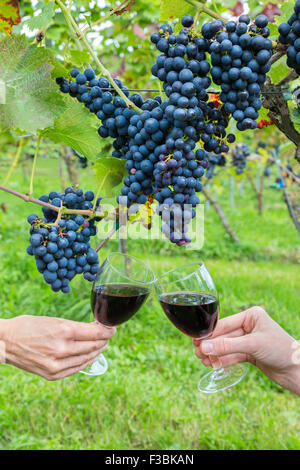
(103, 18)
(14, 163)
(197, 17)
(160, 90)
(74, 35)
(286, 170)
(203, 9)
(58, 218)
(28, 198)
(34, 163)
(105, 240)
(104, 71)
(213, 14)
(98, 192)
(292, 75)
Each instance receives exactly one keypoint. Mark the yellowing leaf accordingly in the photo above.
(170, 9)
(9, 15)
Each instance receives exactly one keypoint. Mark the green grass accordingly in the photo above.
(148, 399)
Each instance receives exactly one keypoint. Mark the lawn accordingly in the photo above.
(149, 399)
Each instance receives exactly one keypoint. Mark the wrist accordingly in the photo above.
(295, 373)
(291, 375)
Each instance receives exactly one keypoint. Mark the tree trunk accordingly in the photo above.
(61, 173)
(221, 215)
(253, 185)
(261, 195)
(287, 200)
(291, 209)
(232, 191)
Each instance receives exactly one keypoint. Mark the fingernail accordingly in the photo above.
(207, 347)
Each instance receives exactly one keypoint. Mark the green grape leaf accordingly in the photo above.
(287, 9)
(295, 116)
(31, 100)
(279, 70)
(170, 10)
(75, 128)
(109, 172)
(42, 20)
(5, 137)
(273, 30)
(9, 15)
(79, 57)
(263, 114)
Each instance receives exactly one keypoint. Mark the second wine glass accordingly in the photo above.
(190, 300)
(121, 287)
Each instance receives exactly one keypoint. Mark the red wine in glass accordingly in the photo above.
(193, 313)
(114, 304)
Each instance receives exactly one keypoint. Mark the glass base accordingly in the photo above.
(99, 367)
(221, 379)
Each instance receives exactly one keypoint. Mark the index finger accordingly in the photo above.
(92, 331)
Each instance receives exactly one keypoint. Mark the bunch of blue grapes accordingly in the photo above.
(289, 33)
(240, 58)
(62, 249)
(183, 69)
(160, 143)
(239, 157)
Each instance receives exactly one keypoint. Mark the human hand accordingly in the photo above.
(52, 347)
(253, 336)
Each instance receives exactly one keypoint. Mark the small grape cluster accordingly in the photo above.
(289, 33)
(240, 57)
(61, 247)
(239, 157)
(213, 161)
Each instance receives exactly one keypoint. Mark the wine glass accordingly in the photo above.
(122, 285)
(189, 298)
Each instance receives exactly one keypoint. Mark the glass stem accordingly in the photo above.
(220, 374)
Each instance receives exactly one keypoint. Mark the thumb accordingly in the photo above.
(223, 346)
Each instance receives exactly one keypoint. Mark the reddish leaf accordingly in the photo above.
(270, 10)
(238, 9)
(138, 31)
(9, 15)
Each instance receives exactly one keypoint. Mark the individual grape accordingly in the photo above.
(289, 34)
